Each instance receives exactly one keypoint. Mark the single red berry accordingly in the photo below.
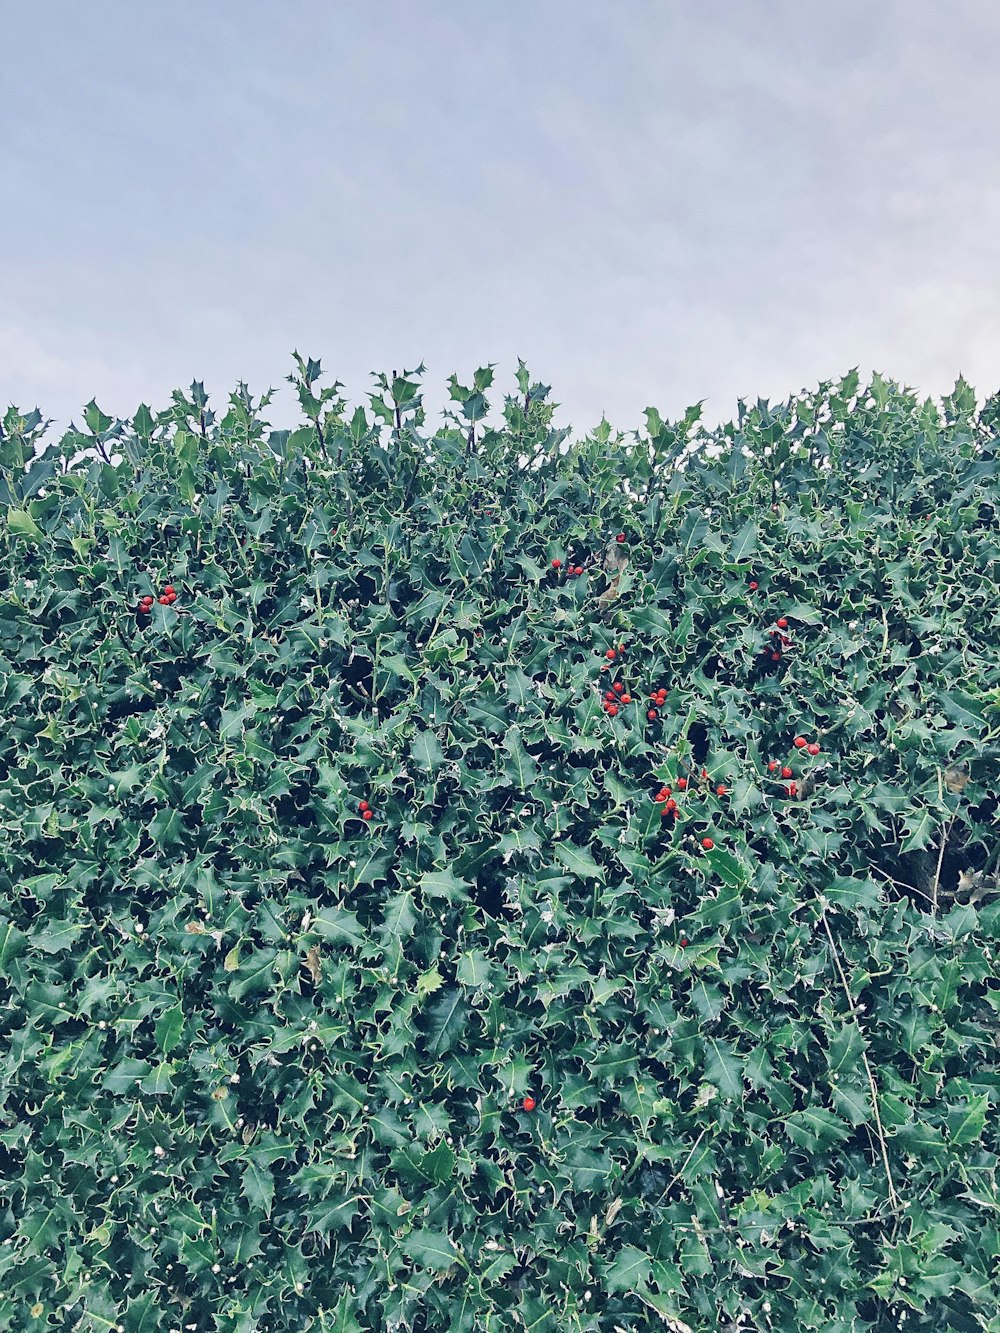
(618, 687)
(578, 570)
(611, 654)
(786, 772)
(707, 843)
(148, 599)
(799, 742)
(164, 601)
(753, 586)
(611, 696)
(792, 789)
(671, 804)
(620, 537)
(682, 784)
(704, 772)
(171, 597)
(661, 795)
(813, 749)
(556, 564)
(169, 589)
(613, 709)
(782, 623)
(652, 715)
(364, 806)
(367, 814)
(772, 765)
(775, 657)
(621, 647)
(143, 609)
(529, 1103)
(626, 698)
(666, 810)
(684, 943)
(721, 791)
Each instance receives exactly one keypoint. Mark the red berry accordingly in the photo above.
(799, 742)
(613, 709)
(169, 589)
(578, 570)
(611, 696)
(148, 599)
(704, 772)
(682, 784)
(529, 1103)
(775, 657)
(164, 601)
(782, 623)
(618, 687)
(792, 789)
(786, 772)
(621, 647)
(620, 537)
(556, 564)
(772, 765)
(721, 791)
(671, 804)
(813, 749)
(143, 609)
(367, 814)
(684, 943)
(610, 654)
(707, 843)
(364, 806)
(626, 698)
(652, 715)
(667, 810)
(753, 586)
(171, 597)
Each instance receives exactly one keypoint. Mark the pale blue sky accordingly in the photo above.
(650, 203)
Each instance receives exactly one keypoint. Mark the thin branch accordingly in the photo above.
(893, 1197)
(911, 888)
(937, 874)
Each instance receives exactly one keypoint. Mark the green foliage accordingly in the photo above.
(263, 1062)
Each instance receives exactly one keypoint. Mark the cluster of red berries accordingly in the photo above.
(617, 694)
(167, 598)
(668, 806)
(778, 639)
(576, 570)
(658, 698)
(365, 811)
(800, 743)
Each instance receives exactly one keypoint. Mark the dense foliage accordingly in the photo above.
(264, 1061)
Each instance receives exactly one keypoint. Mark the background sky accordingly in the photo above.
(650, 203)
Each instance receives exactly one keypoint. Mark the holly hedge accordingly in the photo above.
(437, 894)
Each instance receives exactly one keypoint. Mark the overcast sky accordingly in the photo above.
(651, 204)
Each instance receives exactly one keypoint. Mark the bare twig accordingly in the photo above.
(893, 1197)
(937, 874)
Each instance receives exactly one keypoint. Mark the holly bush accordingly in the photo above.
(370, 961)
